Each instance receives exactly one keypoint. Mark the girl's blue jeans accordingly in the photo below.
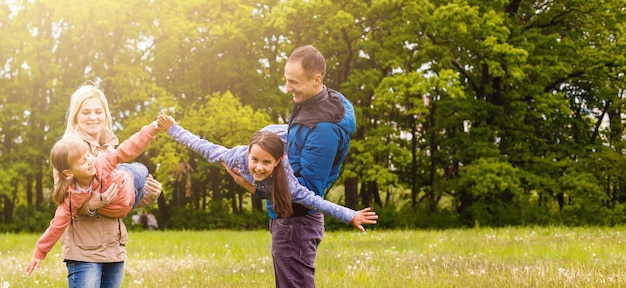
(140, 173)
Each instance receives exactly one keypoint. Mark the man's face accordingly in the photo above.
(301, 86)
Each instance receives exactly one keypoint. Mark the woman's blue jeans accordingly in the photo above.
(94, 275)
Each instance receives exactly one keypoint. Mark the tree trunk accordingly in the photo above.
(257, 203)
(433, 147)
(467, 200)
(215, 183)
(39, 185)
(414, 143)
(561, 199)
(233, 202)
(7, 211)
(29, 190)
(369, 189)
(377, 199)
(351, 185)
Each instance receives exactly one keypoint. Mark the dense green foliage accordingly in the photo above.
(488, 113)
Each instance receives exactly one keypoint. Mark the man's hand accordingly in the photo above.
(365, 216)
(239, 179)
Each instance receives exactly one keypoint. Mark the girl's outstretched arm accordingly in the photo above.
(212, 152)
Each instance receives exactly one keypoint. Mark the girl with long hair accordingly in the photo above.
(263, 163)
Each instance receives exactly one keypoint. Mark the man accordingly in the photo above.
(320, 126)
(321, 123)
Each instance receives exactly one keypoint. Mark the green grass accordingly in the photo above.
(507, 257)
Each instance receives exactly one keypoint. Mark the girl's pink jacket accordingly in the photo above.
(106, 174)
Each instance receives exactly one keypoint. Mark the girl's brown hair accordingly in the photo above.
(280, 197)
(62, 155)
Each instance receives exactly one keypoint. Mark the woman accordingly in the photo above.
(82, 173)
(100, 264)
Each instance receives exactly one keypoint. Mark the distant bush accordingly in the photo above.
(217, 217)
(30, 219)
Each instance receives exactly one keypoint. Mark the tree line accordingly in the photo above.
(469, 112)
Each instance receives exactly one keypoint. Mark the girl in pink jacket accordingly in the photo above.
(81, 173)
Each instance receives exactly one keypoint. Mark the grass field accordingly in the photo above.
(507, 257)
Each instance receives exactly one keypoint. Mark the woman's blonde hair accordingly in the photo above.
(84, 92)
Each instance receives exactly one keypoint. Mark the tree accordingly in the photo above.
(463, 107)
